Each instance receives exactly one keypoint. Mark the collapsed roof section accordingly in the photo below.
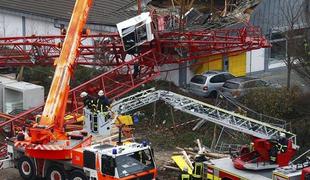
(207, 14)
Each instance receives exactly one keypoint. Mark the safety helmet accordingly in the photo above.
(282, 135)
(83, 94)
(100, 93)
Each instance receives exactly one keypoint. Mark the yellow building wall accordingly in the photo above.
(236, 64)
(214, 64)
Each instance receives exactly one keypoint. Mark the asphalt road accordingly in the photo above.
(279, 76)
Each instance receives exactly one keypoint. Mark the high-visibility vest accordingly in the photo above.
(185, 177)
(198, 170)
(273, 158)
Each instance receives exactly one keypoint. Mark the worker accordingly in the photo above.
(136, 69)
(23, 134)
(241, 111)
(102, 102)
(198, 167)
(251, 147)
(63, 30)
(282, 143)
(88, 101)
(142, 157)
(273, 152)
(307, 49)
(184, 174)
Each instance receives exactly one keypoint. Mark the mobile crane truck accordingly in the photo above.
(50, 152)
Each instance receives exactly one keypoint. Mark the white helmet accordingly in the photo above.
(83, 94)
(100, 93)
(282, 135)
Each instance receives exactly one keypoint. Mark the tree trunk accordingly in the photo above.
(289, 70)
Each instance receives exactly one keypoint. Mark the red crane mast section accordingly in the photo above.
(106, 49)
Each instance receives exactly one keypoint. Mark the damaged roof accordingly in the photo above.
(105, 12)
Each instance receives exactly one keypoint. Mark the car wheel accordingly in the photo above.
(213, 94)
(26, 168)
(55, 172)
(77, 175)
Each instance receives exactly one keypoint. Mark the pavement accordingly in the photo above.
(10, 174)
(279, 76)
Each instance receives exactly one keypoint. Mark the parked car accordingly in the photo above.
(238, 87)
(208, 83)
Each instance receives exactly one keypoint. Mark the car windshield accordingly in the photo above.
(199, 79)
(229, 76)
(134, 163)
(231, 85)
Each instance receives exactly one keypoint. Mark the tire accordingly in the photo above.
(55, 172)
(26, 168)
(77, 175)
(213, 94)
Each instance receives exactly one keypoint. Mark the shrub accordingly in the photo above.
(275, 102)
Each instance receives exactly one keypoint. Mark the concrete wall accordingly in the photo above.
(174, 74)
(11, 24)
(40, 27)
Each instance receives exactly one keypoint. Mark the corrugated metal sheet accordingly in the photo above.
(270, 14)
(106, 12)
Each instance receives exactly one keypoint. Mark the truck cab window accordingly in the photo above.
(108, 165)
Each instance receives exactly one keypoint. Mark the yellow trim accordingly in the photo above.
(213, 177)
(226, 172)
(237, 64)
(280, 175)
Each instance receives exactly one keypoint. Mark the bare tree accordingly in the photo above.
(302, 67)
(292, 13)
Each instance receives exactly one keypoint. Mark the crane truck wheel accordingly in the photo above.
(77, 175)
(55, 172)
(26, 168)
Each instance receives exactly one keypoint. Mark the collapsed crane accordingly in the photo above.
(51, 152)
(165, 49)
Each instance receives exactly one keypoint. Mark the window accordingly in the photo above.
(218, 79)
(231, 85)
(199, 79)
(91, 159)
(134, 163)
(108, 165)
(250, 84)
(228, 76)
(261, 83)
(278, 51)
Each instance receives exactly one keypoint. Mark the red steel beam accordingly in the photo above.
(106, 49)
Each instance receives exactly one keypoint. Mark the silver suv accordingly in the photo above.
(208, 83)
(238, 87)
